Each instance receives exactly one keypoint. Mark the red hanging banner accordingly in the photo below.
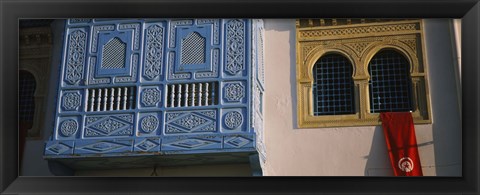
(399, 134)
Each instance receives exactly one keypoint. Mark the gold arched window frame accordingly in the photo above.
(359, 43)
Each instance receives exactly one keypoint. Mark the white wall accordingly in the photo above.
(354, 151)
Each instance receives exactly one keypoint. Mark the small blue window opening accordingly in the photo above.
(333, 88)
(193, 49)
(114, 58)
(114, 54)
(26, 92)
(390, 82)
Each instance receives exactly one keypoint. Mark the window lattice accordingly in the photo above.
(108, 99)
(26, 102)
(114, 54)
(390, 83)
(192, 94)
(333, 86)
(193, 49)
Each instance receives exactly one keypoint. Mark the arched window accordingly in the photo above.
(390, 82)
(333, 92)
(26, 92)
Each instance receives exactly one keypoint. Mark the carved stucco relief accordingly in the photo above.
(359, 44)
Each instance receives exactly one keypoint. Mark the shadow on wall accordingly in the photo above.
(378, 162)
(447, 128)
(289, 26)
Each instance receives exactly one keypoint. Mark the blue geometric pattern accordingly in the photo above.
(114, 54)
(157, 87)
(188, 122)
(114, 125)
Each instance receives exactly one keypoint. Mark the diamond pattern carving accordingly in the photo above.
(191, 143)
(115, 125)
(146, 145)
(102, 146)
(58, 148)
(238, 141)
(109, 125)
(190, 121)
(187, 122)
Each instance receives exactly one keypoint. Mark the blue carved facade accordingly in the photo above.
(133, 93)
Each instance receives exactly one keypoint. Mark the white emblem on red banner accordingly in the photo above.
(405, 164)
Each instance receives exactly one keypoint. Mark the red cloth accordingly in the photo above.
(399, 134)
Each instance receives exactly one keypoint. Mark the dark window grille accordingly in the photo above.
(390, 83)
(26, 102)
(333, 87)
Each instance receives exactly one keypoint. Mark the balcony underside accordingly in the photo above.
(150, 160)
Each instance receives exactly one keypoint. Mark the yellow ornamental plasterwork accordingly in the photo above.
(307, 49)
(412, 43)
(359, 43)
(359, 30)
(358, 47)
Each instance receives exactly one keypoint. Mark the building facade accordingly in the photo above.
(299, 136)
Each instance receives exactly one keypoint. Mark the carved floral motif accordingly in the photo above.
(76, 57)
(69, 127)
(235, 46)
(149, 123)
(234, 92)
(233, 119)
(71, 100)
(153, 51)
(150, 97)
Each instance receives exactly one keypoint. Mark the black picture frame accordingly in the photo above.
(11, 11)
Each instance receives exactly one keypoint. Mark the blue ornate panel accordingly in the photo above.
(205, 63)
(234, 92)
(68, 127)
(53, 148)
(112, 125)
(75, 56)
(114, 55)
(149, 124)
(154, 48)
(235, 48)
(234, 120)
(188, 122)
(137, 87)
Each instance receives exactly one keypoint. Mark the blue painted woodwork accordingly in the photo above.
(159, 87)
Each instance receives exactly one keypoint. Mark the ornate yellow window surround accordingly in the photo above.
(359, 43)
